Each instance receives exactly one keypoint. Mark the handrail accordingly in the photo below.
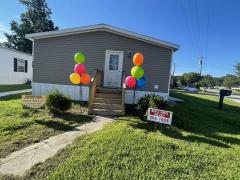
(92, 90)
(123, 92)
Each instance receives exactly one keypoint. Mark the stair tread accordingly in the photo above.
(108, 90)
(111, 98)
(111, 110)
(108, 94)
(99, 103)
(117, 97)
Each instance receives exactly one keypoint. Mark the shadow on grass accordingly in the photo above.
(175, 133)
(55, 125)
(73, 117)
(18, 127)
(70, 121)
(204, 122)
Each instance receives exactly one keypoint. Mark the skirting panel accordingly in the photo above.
(129, 96)
(75, 92)
(82, 93)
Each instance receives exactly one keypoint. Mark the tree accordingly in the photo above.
(207, 81)
(174, 82)
(190, 78)
(35, 19)
(219, 80)
(230, 81)
(237, 68)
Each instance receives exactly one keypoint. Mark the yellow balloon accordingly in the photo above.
(75, 78)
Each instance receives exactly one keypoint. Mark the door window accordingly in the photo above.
(113, 62)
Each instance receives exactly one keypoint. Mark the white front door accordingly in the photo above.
(113, 68)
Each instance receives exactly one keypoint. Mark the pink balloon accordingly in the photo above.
(130, 82)
(79, 69)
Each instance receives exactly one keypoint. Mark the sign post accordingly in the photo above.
(159, 116)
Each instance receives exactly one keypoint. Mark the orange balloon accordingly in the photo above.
(138, 59)
(85, 78)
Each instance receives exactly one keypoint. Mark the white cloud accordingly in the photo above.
(3, 28)
(3, 39)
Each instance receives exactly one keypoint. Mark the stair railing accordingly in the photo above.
(92, 90)
(123, 92)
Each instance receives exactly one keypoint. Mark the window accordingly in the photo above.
(20, 65)
(113, 63)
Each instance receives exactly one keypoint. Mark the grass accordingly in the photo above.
(203, 144)
(21, 127)
(6, 88)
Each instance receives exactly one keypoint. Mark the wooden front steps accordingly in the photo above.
(107, 102)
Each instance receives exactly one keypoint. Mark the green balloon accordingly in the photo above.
(137, 72)
(79, 58)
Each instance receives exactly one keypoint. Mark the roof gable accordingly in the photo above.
(106, 28)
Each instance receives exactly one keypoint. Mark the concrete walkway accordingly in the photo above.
(15, 92)
(20, 161)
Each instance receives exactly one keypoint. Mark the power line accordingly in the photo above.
(197, 25)
(188, 28)
(208, 24)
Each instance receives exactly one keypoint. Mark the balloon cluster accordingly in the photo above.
(137, 80)
(79, 75)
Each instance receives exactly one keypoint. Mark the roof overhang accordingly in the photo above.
(14, 50)
(106, 28)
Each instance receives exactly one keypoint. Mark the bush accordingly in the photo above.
(57, 102)
(151, 100)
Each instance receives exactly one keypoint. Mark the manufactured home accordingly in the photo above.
(109, 52)
(16, 66)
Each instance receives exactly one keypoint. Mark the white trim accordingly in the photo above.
(41, 89)
(103, 27)
(170, 72)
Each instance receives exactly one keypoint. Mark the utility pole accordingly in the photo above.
(201, 63)
(173, 74)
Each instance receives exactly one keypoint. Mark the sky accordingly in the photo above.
(203, 28)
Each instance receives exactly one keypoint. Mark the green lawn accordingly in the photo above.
(6, 88)
(20, 127)
(204, 145)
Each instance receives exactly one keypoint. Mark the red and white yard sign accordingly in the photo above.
(160, 116)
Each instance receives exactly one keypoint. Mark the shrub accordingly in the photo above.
(151, 100)
(57, 102)
(143, 105)
(158, 102)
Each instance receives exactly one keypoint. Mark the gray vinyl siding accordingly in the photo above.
(53, 57)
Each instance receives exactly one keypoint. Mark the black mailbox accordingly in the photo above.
(223, 92)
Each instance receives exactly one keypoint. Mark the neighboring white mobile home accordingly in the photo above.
(16, 66)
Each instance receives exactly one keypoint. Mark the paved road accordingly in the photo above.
(235, 98)
(216, 92)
